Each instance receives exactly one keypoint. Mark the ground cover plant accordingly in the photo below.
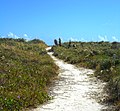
(25, 72)
(104, 57)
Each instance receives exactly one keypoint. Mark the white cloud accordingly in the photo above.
(28, 37)
(11, 35)
(25, 35)
(83, 40)
(15, 36)
(114, 38)
(103, 38)
(3, 36)
(73, 39)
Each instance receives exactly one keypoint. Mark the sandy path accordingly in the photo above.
(74, 90)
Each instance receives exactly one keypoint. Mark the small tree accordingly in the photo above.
(59, 42)
(56, 43)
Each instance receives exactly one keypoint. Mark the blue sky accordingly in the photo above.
(82, 20)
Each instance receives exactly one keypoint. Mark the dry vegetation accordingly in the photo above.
(25, 71)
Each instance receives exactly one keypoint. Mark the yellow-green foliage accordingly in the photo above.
(25, 71)
(102, 56)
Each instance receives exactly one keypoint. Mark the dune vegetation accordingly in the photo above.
(25, 73)
(103, 57)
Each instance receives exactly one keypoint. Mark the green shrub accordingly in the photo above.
(105, 64)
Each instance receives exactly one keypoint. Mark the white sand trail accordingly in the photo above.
(74, 90)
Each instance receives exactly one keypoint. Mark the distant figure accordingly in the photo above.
(59, 42)
(56, 43)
